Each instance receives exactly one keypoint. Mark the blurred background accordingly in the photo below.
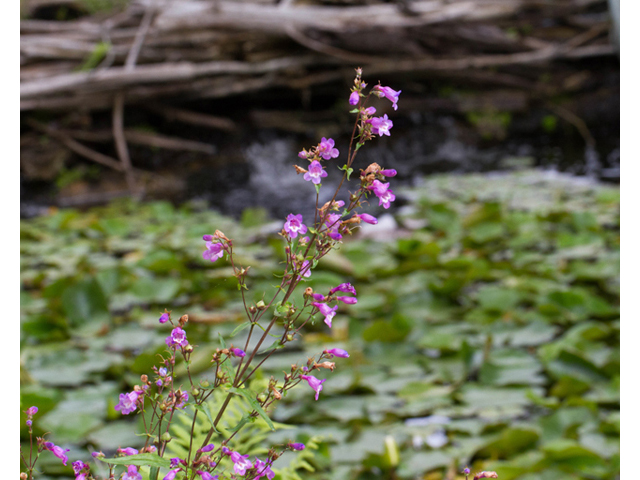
(487, 327)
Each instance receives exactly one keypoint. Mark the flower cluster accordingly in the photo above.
(232, 367)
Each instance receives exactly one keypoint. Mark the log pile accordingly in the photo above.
(154, 52)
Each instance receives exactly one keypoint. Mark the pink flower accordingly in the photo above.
(128, 402)
(333, 224)
(172, 474)
(241, 463)
(388, 92)
(213, 252)
(178, 337)
(31, 411)
(326, 149)
(381, 125)
(388, 172)
(338, 352)
(132, 473)
(263, 469)
(354, 98)
(206, 475)
(315, 173)
(343, 287)
(366, 218)
(348, 300)
(127, 451)
(327, 311)
(369, 111)
(164, 318)
(383, 193)
(314, 383)
(294, 226)
(58, 452)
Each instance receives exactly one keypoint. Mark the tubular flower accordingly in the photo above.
(172, 474)
(381, 190)
(58, 452)
(381, 125)
(127, 451)
(327, 311)
(348, 300)
(338, 352)
(241, 463)
(389, 93)
(333, 224)
(132, 473)
(178, 337)
(296, 446)
(366, 218)
(315, 173)
(314, 383)
(128, 403)
(164, 318)
(206, 475)
(263, 469)
(354, 98)
(326, 149)
(213, 252)
(343, 287)
(388, 172)
(294, 226)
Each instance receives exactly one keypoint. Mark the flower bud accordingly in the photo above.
(166, 437)
(261, 305)
(144, 378)
(466, 471)
(354, 98)
(262, 398)
(204, 383)
(188, 348)
(289, 337)
(296, 446)
(253, 309)
(195, 392)
(485, 475)
(327, 365)
(276, 393)
(338, 352)
(388, 172)
(299, 170)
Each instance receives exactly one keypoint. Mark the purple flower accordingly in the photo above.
(388, 172)
(296, 446)
(207, 238)
(343, 287)
(127, 451)
(314, 383)
(175, 461)
(466, 470)
(326, 149)
(132, 473)
(263, 469)
(207, 448)
(81, 476)
(348, 300)
(354, 98)
(381, 125)
(164, 318)
(29, 423)
(184, 397)
(238, 352)
(388, 92)
(32, 411)
(366, 218)
(333, 224)
(327, 311)
(97, 454)
(338, 352)
(369, 111)
(128, 402)
(318, 296)
(293, 226)
(306, 269)
(172, 474)
(213, 252)
(78, 466)
(57, 451)
(178, 337)
(302, 153)
(162, 371)
(315, 173)
(381, 190)
(241, 463)
(206, 475)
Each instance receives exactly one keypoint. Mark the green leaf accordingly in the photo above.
(249, 396)
(141, 460)
(239, 328)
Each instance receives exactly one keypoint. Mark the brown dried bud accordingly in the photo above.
(23, 476)
(184, 319)
(373, 168)
(327, 365)
(144, 378)
(219, 234)
(308, 292)
(253, 309)
(299, 170)
(276, 393)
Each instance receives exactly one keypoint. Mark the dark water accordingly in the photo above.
(254, 167)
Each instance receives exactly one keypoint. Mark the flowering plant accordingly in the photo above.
(159, 396)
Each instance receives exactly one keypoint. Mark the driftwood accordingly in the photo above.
(155, 52)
